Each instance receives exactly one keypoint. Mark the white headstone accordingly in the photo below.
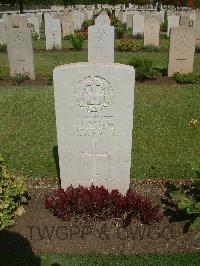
(138, 24)
(102, 19)
(53, 34)
(197, 35)
(101, 44)
(173, 21)
(20, 52)
(94, 118)
(181, 52)
(3, 34)
(67, 24)
(23, 22)
(151, 31)
(34, 25)
(129, 21)
(77, 20)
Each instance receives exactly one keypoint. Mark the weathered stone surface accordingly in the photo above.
(101, 44)
(3, 34)
(151, 31)
(15, 20)
(53, 34)
(67, 24)
(77, 20)
(20, 52)
(23, 22)
(138, 24)
(184, 21)
(120, 15)
(102, 19)
(34, 25)
(197, 35)
(129, 20)
(173, 21)
(181, 52)
(94, 118)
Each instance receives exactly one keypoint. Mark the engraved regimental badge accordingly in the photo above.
(93, 93)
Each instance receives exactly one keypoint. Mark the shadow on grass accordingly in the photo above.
(16, 250)
(171, 209)
(56, 159)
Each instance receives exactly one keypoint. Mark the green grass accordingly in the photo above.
(164, 145)
(17, 259)
(46, 61)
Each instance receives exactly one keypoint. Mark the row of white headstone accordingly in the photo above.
(101, 46)
(94, 104)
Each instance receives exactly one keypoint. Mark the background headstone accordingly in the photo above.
(181, 52)
(34, 25)
(53, 34)
(184, 21)
(101, 44)
(151, 31)
(3, 34)
(23, 22)
(67, 24)
(20, 52)
(173, 21)
(138, 24)
(102, 19)
(129, 21)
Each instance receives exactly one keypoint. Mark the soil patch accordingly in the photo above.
(42, 231)
(159, 81)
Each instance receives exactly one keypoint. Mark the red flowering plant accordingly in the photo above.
(97, 203)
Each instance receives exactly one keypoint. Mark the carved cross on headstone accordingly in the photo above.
(96, 157)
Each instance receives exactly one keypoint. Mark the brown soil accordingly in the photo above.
(38, 81)
(101, 238)
(159, 81)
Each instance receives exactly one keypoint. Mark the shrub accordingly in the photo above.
(19, 78)
(150, 48)
(3, 47)
(138, 36)
(87, 23)
(197, 48)
(163, 27)
(190, 78)
(77, 42)
(188, 201)
(35, 36)
(67, 37)
(96, 203)
(128, 45)
(161, 70)
(115, 22)
(83, 34)
(144, 68)
(13, 194)
(119, 32)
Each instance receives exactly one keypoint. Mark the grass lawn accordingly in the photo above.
(46, 61)
(164, 145)
(48, 259)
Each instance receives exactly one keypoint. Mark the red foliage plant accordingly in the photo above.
(97, 203)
